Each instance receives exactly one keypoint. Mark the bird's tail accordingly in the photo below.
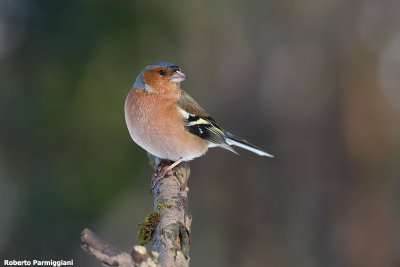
(233, 140)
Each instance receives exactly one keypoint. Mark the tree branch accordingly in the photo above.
(171, 237)
(112, 256)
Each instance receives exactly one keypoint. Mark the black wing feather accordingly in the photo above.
(207, 131)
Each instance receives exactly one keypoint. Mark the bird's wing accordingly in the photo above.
(199, 123)
(188, 104)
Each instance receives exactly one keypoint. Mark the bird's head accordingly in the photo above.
(159, 76)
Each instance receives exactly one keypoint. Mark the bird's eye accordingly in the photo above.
(162, 72)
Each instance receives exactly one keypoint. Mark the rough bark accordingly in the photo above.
(171, 238)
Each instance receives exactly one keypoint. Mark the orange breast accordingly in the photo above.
(156, 124)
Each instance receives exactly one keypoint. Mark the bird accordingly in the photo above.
(168, 123)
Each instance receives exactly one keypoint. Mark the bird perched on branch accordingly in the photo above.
(166, 122)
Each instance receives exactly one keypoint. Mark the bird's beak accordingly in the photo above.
(178, 76)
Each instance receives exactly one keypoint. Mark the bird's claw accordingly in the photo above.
(160, 175)
(165, 170)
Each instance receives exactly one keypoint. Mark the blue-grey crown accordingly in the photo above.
(140, 84)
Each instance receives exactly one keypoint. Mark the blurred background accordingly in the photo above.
(316, 83)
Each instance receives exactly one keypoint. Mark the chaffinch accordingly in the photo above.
(165, 121)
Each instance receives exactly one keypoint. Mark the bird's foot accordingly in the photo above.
(163, 173)
(164, 170)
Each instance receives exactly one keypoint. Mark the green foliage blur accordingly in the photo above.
(66, 149)
(314, 83)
